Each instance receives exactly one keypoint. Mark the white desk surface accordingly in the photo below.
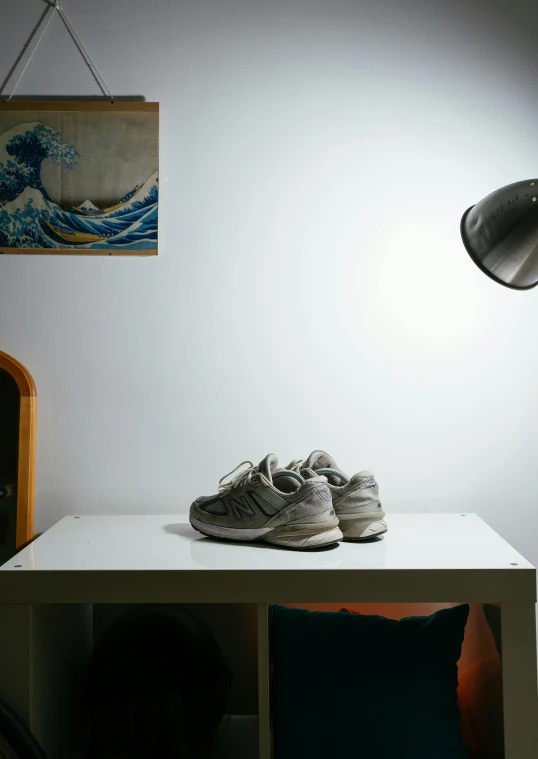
(161, 558)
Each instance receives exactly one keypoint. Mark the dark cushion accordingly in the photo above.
(366, 687)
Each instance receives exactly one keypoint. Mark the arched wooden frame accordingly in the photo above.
(27, 448)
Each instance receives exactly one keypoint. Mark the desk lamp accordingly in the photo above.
(501, 234)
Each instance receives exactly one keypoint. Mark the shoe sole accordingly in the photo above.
(299, 536)
(357, 527)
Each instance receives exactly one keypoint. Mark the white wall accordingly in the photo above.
(311, 288)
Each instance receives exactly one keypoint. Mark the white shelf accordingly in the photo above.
(147, 559)
(423, 557)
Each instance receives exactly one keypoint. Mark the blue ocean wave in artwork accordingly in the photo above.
(29, 218)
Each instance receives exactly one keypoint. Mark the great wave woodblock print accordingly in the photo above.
(79, 178)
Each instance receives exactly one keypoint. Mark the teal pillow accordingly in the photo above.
(349, 686)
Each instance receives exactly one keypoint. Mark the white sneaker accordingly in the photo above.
(355, 499)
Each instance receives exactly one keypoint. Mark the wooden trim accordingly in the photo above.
(74, 252)
(27, 448)
(73, 105)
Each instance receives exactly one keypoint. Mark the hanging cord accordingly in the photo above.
(82, 50)
(80, 47)
(33, 53)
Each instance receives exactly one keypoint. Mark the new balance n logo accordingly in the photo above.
(241, 506)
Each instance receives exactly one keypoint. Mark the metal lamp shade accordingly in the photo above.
(501, 234)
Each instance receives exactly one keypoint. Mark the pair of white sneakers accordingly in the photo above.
(310, 503)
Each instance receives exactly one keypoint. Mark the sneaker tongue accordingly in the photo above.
(334, 476)
(268, 465)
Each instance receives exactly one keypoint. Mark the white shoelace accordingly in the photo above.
(242, 478)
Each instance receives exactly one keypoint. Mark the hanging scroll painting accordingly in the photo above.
(79, 178)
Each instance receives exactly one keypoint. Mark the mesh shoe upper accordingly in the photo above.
(263, 495)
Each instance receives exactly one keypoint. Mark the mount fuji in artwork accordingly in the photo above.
(32, 216)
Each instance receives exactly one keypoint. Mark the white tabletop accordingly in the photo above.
(160, 557)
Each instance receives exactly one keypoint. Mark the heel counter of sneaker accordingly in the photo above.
(361, 492)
